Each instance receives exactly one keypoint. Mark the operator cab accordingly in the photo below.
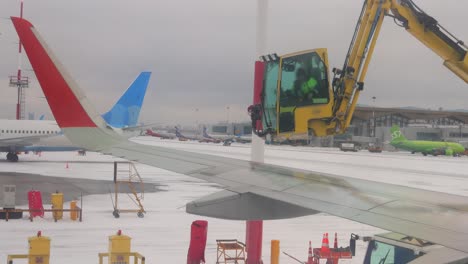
(295, 90)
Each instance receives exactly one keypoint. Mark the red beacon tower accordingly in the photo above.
(20, 82)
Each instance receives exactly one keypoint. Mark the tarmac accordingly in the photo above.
(72, 188)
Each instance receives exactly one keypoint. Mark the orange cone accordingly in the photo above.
(335, 244)
(325, 244)
(310, 258)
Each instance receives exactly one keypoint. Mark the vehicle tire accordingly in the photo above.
(8, 156)
(140, 214)
(424, 153)
(14, 158)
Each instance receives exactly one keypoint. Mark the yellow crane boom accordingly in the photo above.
(349, 82)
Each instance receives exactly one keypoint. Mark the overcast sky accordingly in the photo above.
(201, 52)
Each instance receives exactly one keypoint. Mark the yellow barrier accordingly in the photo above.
(136, 256)
(57, 203)
(275, 251)
(119, 251)
(10, 258)
(73, 212)
(39, 251)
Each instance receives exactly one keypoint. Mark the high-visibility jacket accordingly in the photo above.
(309, 86)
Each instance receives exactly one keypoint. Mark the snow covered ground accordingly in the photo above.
(163, 235)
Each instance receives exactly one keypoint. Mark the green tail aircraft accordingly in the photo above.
(425, 147)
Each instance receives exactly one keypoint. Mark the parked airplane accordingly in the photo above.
(425, 147)
(243, 139)
(228, 139)
(159, 134)
(239, 137)
(254, 191)
(41, 135)
(16, 134)
(216, 138)
(181, 137)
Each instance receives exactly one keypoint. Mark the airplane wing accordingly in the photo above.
(261, 191)
(252, 190)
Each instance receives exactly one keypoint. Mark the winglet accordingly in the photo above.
(66, 101)
(126, 111)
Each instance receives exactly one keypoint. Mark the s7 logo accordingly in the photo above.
(396, 134)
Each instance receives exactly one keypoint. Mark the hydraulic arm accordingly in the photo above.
(348, 82)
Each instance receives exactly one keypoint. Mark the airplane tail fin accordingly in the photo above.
(397, 136)
(126, 111)
(205, 133)
(177, 132)
(71, 108)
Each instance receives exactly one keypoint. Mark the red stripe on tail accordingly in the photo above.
(67, 109)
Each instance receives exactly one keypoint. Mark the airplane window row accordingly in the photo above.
(30, 131)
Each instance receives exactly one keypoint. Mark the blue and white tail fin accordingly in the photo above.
(126, 111)
(177, 133)
(205, 132)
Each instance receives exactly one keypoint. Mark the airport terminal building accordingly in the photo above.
(415, 123)
(372, 125)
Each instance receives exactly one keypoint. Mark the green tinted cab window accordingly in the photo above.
(270, 94)
(304, 81)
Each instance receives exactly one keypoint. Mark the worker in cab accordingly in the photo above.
(305, 87)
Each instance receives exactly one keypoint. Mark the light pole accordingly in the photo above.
(373, 115)
(197, 126)
(227, 113)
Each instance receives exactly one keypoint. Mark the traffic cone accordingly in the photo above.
(335, 244)
(310, 258)
(325, 249)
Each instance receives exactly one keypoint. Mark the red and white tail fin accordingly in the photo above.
(70, 107)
